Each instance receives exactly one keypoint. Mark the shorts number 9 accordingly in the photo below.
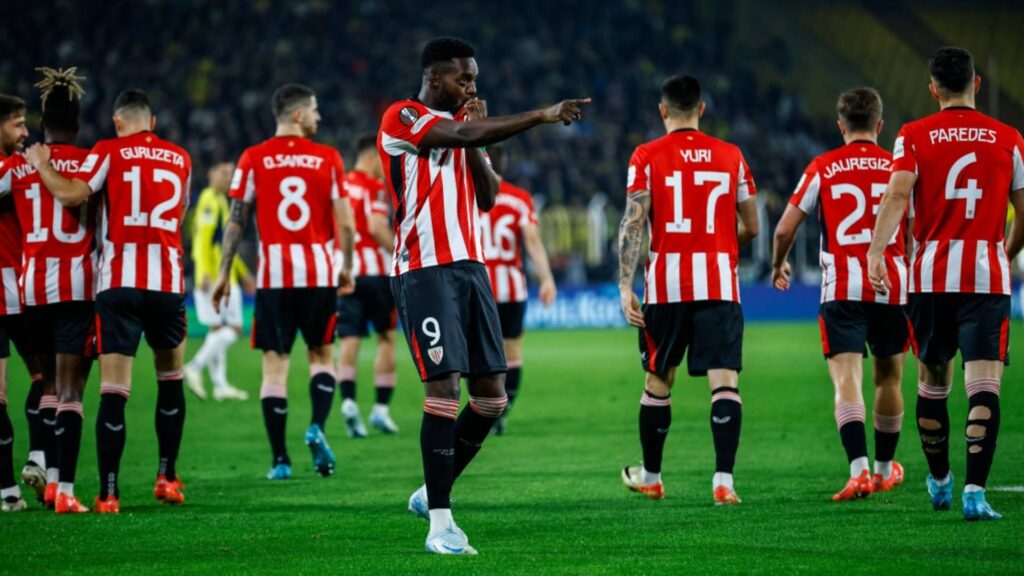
(432, 329)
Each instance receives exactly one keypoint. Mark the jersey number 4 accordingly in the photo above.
(682, 225)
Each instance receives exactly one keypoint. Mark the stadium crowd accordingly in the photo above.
(210, 79)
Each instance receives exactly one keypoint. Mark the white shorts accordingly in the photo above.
(230, 315)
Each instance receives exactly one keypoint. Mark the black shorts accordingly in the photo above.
(847, 325)
(63, 328)
(124, 314)
(712, 331)
(511, 315)
(14, 328)
(450, 320)
(371, 304)
(282, 312)
(976, 324)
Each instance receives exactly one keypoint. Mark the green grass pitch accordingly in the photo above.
(546, 498)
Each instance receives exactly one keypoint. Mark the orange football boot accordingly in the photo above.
(631, 478)
(108, 506)
(50, 495)
(887, 484)
(167, 491)
(67, 504)
(859, 487)
(725, 496)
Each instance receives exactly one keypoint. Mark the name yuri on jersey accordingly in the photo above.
(64, 166)
(851, 164)
(292, 161)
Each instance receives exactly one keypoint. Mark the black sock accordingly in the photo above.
(471, 429)
(275, 416)
(48, 416)
(655, 420)
(934, 440)
(69, 423)
(348, 389)
(981, 436)
(512, 379)
(436, 445)
(321, 393)
(384, 394)
(110, 437)
(6, 449)
(35, 420)
(885, 445)
(726, 421)
(170, 423)
(854, 439)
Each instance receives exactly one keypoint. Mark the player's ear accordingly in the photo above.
(118, 123)
(934, 91)
(700, 109)
(152, 123)
(842, 128)
(977, 83)
(663, 110)
(879, 127)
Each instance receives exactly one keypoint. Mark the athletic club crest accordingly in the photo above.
(436, 354)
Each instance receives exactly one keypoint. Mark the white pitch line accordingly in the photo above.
(1007, 488)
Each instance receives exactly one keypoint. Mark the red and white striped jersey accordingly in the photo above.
(59, 243)
(966, 164)
(10, 255)
(501, 233)
(845, 186)
(431, 191)
(147, 181)
(294, 183)
(696, 182)
(368, 198)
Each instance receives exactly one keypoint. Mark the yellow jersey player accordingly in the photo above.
(209, 221)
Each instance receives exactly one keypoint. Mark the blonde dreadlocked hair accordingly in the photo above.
(61, 97)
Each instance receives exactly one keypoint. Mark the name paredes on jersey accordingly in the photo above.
(292, 161)
(963, 134)
(856, 164)
(64, 166)
(147, 153)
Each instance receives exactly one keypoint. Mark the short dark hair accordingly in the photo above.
(860, 109)
(61, 98)
(366, 142)
(443, 49)
(288, 97)
(681, 92)
(499, 158)
(132, 101)
(10, 106)
(952, 68)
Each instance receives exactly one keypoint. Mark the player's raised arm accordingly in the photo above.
(69, 192)
(485, 131)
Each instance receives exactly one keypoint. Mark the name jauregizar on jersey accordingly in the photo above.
(850, 164)
(940, 135)
(292, 161)
(64, 166)
(158, 154)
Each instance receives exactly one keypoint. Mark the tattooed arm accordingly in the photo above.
(229, 248)
(631, 239)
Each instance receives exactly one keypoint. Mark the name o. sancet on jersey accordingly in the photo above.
(286, 176)
(59, 243)
(695, 181)
(966, 164)
(147, 181)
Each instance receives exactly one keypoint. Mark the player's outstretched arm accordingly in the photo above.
(1015, 241)
(749, 222)
(345, 232)
(785, 236)
(539, 256)
(891, 211)
(69, 193)
(487, 131)
(229, 248)
(631, 240)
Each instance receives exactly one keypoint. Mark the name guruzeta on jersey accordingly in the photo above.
(158, 154)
